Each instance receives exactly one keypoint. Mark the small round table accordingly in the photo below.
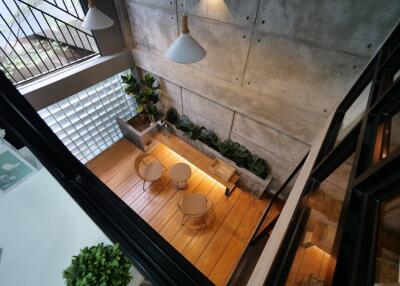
(180, 173)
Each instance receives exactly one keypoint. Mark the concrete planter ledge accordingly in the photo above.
(248, 181)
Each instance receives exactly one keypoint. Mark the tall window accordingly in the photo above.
(85, 122)
(40, 36)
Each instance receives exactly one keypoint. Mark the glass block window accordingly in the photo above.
(85, 122)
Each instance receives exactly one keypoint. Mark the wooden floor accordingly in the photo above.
(214, 249)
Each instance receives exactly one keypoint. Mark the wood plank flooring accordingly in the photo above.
(215, 248)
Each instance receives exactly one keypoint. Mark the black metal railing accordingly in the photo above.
(37, 37)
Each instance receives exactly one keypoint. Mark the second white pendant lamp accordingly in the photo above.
(95, 19)
(185, 49)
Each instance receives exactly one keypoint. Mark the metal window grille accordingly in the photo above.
(40, 36)
(85, 122)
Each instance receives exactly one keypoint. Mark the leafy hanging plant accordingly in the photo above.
(145, 93)
(100, 265)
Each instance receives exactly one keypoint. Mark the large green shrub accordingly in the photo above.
(100, 265)
(145, 94)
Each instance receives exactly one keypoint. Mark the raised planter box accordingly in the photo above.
(141, 139)
(249, 181)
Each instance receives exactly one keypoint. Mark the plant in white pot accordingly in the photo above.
(99, 265)
(146, 95)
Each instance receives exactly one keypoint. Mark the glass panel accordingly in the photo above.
(354, 114)
(41, 226)
(324, 204)
(94, 115)
(388, 248)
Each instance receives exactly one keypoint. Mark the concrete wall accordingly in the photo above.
(274, 69)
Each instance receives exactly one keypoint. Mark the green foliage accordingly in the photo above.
(131, 86)
(210, 138)
(236, 152)
(258, 166)
(189, 128)
(172, 115)
(100, 265)
(145, 94)
(228, 148)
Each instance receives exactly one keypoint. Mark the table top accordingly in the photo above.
(152, 171)
(180, 172)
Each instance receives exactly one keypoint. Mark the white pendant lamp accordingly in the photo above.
(185, 49)
(95, 19)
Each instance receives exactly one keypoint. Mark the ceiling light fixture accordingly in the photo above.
(185, 49)
(95, 19)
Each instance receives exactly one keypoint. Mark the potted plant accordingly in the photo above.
(138, 129)
(99, 265)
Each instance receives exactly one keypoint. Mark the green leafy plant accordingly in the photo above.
(228, 148)
(172, 115)
(183, 123)
(235, 151)
(258, 166)
(189, 128)
(210, 138)
(100, 265)
(145, 94)
(242, 156)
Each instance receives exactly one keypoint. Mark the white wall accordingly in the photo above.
(41, 228)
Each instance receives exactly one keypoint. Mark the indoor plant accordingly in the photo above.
(99, 265)
(145, 92)
(228, 148)
(146, 96)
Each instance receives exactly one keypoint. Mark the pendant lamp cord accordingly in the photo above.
(185, 26)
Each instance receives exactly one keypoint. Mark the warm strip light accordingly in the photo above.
(192, 165)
